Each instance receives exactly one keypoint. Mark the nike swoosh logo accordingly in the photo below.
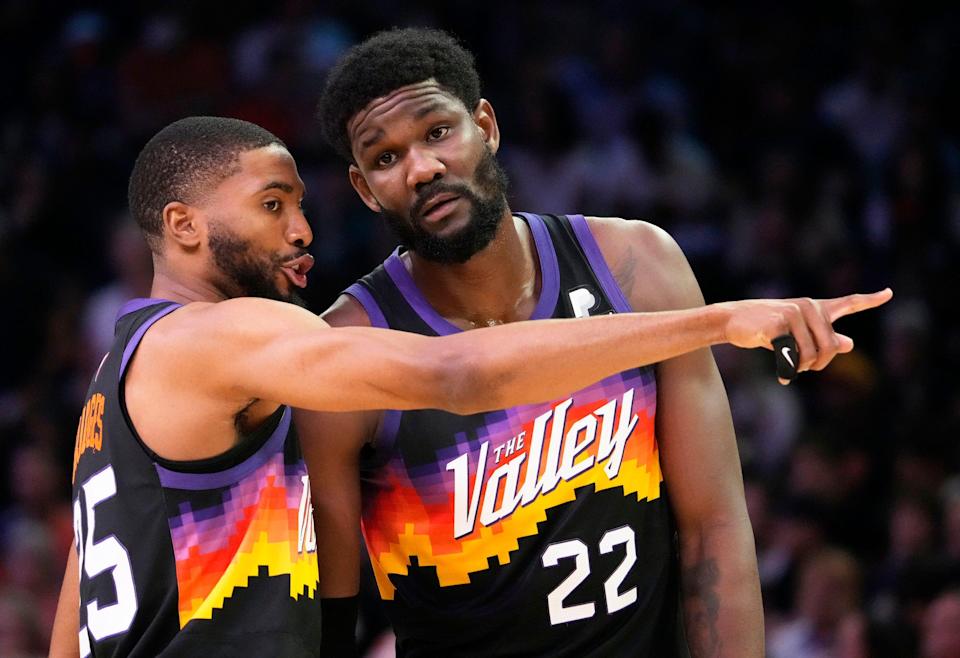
(785, 351)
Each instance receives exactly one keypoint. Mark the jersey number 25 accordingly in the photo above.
(106, 555)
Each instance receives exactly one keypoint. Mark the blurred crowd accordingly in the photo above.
(789, 152)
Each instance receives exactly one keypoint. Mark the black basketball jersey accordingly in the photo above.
(206, 558)
(537, 530)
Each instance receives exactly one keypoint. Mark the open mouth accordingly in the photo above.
(296, 269)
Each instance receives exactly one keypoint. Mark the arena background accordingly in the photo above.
(789, 152)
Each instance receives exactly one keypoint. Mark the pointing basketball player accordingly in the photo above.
(537, 529)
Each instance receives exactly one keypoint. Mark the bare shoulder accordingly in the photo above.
(241, 318)
(620, 237)
(346, 311)
(647, 263)
(252, 312)
(203, 339)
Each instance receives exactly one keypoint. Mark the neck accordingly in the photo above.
(499, 284)
(175, 286)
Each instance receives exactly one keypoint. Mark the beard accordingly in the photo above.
(243, 271)
(486, 212)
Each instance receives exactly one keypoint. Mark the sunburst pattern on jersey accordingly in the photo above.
(218, 549)
(410, 512)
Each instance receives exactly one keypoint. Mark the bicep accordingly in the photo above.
(353, 369)
(257, 349)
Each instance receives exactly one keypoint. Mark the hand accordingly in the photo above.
(756, 322)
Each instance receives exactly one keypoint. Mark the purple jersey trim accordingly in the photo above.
(405, 284)
(359, 292)
(390, 422)
(599, 264)
(549, 267)
(171, 479)
(139, 303)
(549, 270)
(138, 335)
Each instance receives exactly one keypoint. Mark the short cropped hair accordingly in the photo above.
(387, 61)
(184, 161)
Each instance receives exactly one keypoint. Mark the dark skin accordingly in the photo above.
(420, 133)
(502, 280)
(245, 356)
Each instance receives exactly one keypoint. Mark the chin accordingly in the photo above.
(447, 227)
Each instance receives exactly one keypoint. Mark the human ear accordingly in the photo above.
(363, 189)
(486, 120)
(182, 224)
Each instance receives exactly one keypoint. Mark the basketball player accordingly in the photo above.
(191, 501)
(544, 529)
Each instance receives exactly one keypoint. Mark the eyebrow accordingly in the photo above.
(424, 111)
(379, 133)
(372, 139)
(278, 185)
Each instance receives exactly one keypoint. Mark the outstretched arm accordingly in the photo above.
(256, 348)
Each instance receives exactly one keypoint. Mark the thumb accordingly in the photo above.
(846, 343)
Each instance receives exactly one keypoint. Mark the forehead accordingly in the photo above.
(410, 101)
(259, 167)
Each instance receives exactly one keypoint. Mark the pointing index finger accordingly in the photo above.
(841, 306)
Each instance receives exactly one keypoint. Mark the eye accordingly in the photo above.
(273, 205)
(385, 159)
(438, 133)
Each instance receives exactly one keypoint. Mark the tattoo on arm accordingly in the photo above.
(626, 272)
(701, 605)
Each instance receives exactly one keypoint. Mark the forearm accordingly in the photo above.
(530, 362)
(358, 368)
(720, 590)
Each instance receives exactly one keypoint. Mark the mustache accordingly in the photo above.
(438, 187)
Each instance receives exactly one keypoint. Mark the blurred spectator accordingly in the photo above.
(910, 543)
(828, 590)
(36, 531)
(132, 267)
(21, 632)
(868, 107)
(797, 532)
(861, 637)
(941, 627)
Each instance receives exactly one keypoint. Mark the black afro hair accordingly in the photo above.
(387, 61)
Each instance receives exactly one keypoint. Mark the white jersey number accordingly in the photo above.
(108, 554)
(615, 599)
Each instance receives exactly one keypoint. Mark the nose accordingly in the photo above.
(299, 233)
(423, 166)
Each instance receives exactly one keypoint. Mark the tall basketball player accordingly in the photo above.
(191, 500)
(543, 529)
